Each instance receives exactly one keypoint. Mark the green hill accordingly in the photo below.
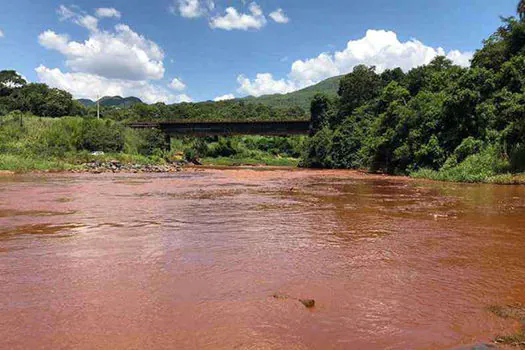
(86, 102)
(112, 101)
(300, 98)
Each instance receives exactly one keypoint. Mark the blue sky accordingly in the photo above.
(219, 48)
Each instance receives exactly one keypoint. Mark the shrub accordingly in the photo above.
(102, 135)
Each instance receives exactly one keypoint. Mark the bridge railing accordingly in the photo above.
(217, 128)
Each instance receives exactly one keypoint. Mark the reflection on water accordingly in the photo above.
(192, 260)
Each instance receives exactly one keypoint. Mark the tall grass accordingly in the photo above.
(33, 143)
(486, 166)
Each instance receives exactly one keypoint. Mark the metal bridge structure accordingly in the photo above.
(227, 128)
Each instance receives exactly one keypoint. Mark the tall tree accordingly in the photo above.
(10, 79)
(521, 9)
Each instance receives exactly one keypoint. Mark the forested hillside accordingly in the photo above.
(112, 101)
(301, 98)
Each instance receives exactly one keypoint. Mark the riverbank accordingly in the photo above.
(118, 162)
(251, 161)
(480, 177)
(514, 312)
(121, 162)
(128, 163)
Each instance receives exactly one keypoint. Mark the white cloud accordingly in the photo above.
(116, 62)
(89, 22)
(460, 58)
(85, 85)
(264, 84)
(192, 8)
(378, 48)
(122, 54)
(177, 84)
(224, 97)
(1, 33)
(279, 16)
(107, 12)
(82, 19)
(232, 19)
(311, 71)
(65, 13)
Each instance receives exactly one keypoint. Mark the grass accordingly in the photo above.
(498, 179)
(29, 143)
(24, 163)
(484, 167)
(238, 161)
(19, 163)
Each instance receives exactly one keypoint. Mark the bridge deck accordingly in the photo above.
(221, 128)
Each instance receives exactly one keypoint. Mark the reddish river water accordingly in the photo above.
(191, 260)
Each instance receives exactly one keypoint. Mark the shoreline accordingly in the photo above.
(117, 167)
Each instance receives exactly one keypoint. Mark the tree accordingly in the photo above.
(9, 80)
(521, 9)
(319, 112)
(358, 87)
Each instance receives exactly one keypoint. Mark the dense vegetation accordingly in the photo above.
(66, 132)
(35, 143)
(440, 120)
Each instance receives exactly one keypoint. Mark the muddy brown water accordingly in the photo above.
(192, 260)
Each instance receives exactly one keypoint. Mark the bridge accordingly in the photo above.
(227, 128)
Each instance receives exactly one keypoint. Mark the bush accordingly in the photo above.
(318, 151)
(479, 167)
(102, 135)
(224, 148)
(152, 141)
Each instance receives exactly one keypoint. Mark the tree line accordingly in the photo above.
(16, 94)
(437, 117)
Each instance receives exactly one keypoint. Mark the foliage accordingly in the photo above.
(29, 137)
(439, 120)
(38, 99)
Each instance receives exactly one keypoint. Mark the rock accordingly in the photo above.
(309, 303)
(117, 167)
(280, 296)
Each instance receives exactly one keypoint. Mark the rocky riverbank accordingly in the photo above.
(114, 166)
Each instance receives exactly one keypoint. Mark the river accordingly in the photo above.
(192, 260)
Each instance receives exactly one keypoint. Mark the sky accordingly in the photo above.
(196, 50)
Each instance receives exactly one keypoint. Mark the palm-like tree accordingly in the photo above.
(521, 9)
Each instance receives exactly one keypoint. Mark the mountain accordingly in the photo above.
(86, 102)
(112, 101)
(300, 98)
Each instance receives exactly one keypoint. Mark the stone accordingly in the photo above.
(309, 303)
